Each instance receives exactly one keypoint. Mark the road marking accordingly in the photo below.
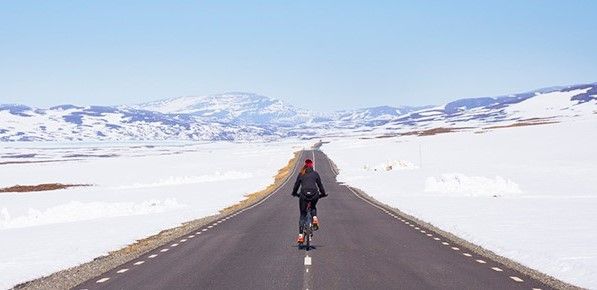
(536, 288)
(307, 270)
(467, 254)
(191, 236)
(411, 225)
(183, 240)
(102, 280)
(455, 249)
(164, 250)
(152, 256)
(436, 238)
(481, 262)
(497, 269)
(139, 263)
(122, 271)
(416, 228)
(307, 260)
(516, 279)
(422, 231)
(445, 244)
(214, 224)
(210, 227)
(174, 245)
(429, 235)
(204, 230)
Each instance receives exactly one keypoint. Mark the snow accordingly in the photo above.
(140, 190)
(461, 184)
(527, 193)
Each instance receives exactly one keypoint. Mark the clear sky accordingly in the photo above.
(317, 54)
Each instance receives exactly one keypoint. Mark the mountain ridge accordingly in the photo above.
(239, 116)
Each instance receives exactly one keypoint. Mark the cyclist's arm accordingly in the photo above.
(297, 184)
(320, 185)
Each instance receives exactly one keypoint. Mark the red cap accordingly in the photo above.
(309, 162)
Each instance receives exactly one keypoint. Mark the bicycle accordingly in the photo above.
(308, 228)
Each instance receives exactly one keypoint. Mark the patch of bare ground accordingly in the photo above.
(40, 187)
(69, 278)
(435, 131)
(38, 161)
(525, 122)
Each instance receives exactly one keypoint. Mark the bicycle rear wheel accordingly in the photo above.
(308, 240)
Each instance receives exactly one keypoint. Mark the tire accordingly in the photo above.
(308, 241)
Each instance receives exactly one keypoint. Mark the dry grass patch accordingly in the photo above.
(523, 123)
(435, 131)
(40, 187)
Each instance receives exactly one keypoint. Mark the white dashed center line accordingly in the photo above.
(174, 245)
(445, 244)
(183, 240)
(436, 238)
(204, 230)
(102, 280)
(122, 271)
(307, 261)
(481, 261)
(467, 254)
(516, 279)
(139, 263)
(191, 236)
(153, 256)
(164, 250)
(497, 269)
(455, 248)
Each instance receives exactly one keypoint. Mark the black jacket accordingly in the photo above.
(308, 182)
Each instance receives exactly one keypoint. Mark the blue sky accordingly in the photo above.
(316, 54)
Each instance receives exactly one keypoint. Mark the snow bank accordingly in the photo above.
(75, 211)
(180, 180)
(543, 179)
(460, 184)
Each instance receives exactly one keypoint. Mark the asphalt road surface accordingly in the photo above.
(359, 246)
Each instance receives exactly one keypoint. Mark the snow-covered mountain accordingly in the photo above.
(236, 108)
(243, 116)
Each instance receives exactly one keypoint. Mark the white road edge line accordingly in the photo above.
(516, 279)
(481, 262)
(152, 256)
(139, 263)
(122, 271)
(102, 280)
(497, 269)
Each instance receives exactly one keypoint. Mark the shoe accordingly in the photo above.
(315, 223)
(301, 239)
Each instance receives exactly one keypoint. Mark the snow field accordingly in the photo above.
(527, 193)
(134, 197)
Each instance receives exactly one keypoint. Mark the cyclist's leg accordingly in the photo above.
(303, 211)
(314, 206)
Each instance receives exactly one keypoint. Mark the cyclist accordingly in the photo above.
(311, 190)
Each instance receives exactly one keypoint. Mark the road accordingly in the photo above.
(359, 246)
